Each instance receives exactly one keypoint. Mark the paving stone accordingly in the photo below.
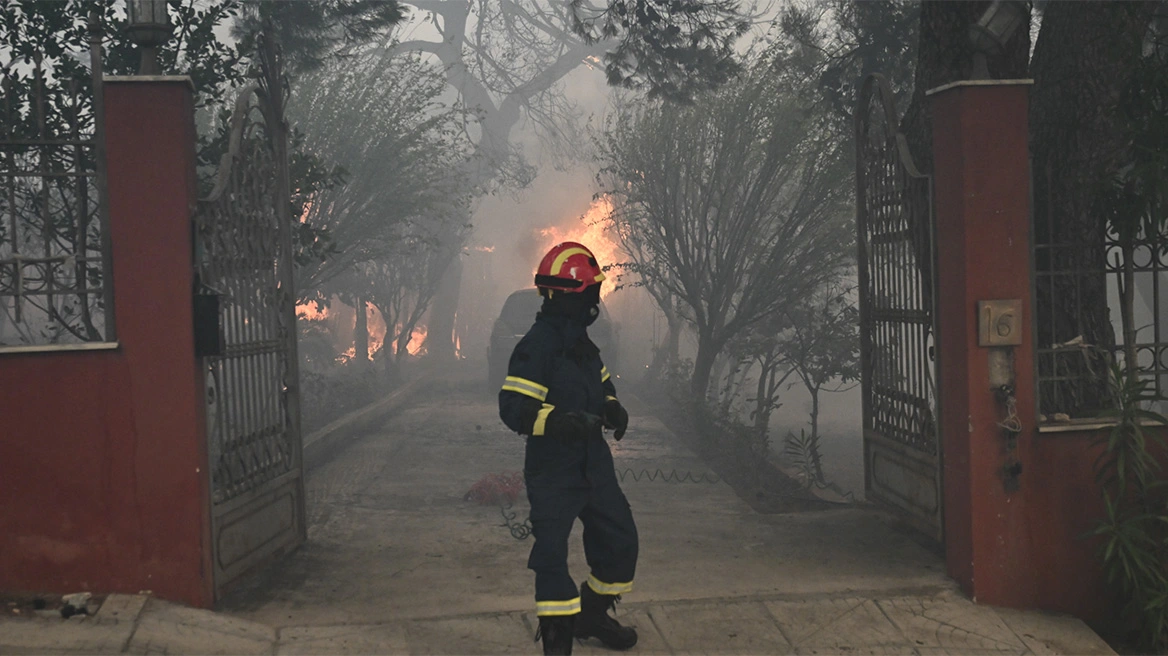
(491, 634)
(838, 626)
(341, 640)
(719, 628)
(965, 651)
(951, 622)
(63, 636)
(165, 628)
(800, 619)
(120, 608)
(1050, 633)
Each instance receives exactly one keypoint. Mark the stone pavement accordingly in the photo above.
(924, 622)
(398, 562)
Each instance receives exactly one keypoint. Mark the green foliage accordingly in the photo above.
(734, 202)
(674, 49)
(840, 42)
(384, 151)
(822, 341)
(311, 34)
(1134, 530)
(802, 452)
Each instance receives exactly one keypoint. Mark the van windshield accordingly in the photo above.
(520, 309)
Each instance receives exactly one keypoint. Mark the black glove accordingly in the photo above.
(616, 417)
(572, 425)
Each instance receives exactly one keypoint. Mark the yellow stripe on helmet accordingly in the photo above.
(558, 263)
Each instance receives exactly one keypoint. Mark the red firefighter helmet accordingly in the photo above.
(568, 267)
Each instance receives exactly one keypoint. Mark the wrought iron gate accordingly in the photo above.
(253, 415)
(898, 328)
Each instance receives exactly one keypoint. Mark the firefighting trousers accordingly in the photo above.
(610, 542)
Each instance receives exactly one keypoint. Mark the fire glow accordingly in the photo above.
(591, 231)
(416, 345)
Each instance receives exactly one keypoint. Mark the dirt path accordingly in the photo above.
(390, 535)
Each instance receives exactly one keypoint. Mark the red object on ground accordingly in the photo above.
(496, 489)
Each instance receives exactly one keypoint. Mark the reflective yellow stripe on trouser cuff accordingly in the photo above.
(609, 588)
(540, 426)
(569, 607)
(525, 387)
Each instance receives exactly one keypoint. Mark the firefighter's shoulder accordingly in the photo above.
(540, 341)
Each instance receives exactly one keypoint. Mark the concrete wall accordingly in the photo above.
(103, 466)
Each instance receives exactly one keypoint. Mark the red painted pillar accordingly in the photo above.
(982, 201)
(150, 136)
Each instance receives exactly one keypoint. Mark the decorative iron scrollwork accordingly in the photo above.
(253, 428)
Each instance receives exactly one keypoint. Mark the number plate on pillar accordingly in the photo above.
(999, 323)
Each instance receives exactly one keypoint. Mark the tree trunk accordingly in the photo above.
(762, 402)
(440, 331)
(734, 382)
(361, 333)
(673, 339)
(717, 373)
(703, 367)
(816, 459)
(1083, 59)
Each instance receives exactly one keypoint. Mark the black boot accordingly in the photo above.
(595, 622)
(556, 632)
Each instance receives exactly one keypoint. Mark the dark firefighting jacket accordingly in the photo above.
(555, 367)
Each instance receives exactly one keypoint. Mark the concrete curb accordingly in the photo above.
(917, 620)
(322, 444)
(830, 493)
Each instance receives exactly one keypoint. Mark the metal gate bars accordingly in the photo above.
(898, 327)
(245, 260)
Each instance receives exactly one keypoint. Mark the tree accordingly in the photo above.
(843, 41)
(733, 199)
(672, 49)
(641, 270)
(381, 116)
(505, 60)
(311, 34)
(822, 343)
(400, 284)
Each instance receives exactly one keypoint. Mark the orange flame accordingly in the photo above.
(416, 345)
(309, 312)
(591, 231)
(417, 341)
(377, 329)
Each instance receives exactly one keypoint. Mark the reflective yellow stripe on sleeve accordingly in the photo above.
(525, 387)
(569, 607)
(610, 398)
(540, 426)
(604, 375)
(608, 588)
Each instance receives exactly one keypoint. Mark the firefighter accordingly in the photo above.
(560, 395)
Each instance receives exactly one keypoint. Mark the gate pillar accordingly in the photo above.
(982, 203)
(160, 477)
